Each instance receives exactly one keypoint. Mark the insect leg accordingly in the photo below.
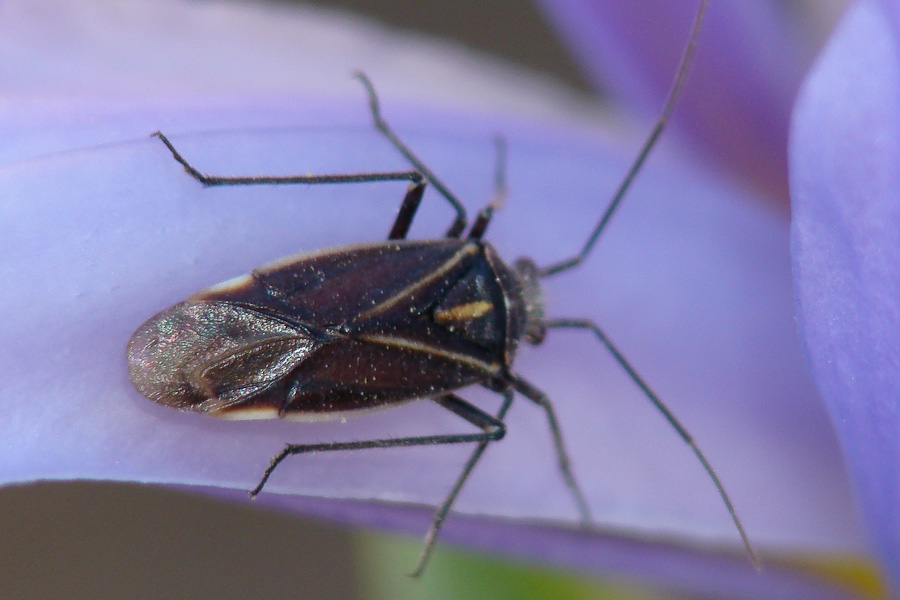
(492, 430)
(212, 180)
(459, 223)
(486, 213)
(444, 509)
(666, 412)
(407, 211)
(401, 223)
(562, 457)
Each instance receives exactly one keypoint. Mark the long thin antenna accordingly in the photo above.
(680, 76)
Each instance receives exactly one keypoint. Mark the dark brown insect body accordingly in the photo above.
(318, 335)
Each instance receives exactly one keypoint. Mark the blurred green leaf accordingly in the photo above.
(383, 562)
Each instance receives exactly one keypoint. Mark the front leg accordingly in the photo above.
(214, 180)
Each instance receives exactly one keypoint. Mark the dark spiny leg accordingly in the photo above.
(540, 398)
(492, 430)
(485, 214)
(441, 514)
(669, 416)
(407, 211)
(459, 223)
(213, 180)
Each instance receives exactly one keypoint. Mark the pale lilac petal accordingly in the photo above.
(134, 58)
(845, 181)
(697, 293)
(748, 67)
(891, 9)
(100, 229)
(692, 572)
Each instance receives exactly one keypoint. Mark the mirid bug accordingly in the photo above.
(329, 333)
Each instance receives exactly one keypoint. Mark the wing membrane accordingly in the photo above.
(212, 355)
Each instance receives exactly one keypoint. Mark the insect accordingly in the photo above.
(329, 333)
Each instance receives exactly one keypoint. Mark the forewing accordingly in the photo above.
(235, 383)
(337, 285)
(213, 356)
(381, 368)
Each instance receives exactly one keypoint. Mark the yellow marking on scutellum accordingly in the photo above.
(463, 312)
(385, 340)
(467, 250)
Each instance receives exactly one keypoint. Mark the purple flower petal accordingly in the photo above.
(100, 229)
(891, 8)
(845, 154)
(135, 59)
(696, 292)
(748, 67)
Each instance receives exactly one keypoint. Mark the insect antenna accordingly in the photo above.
(573, 261)
(638, 162)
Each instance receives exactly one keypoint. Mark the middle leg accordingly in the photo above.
(459, 223)
(483, 219)
(492, 429)
(444, 509)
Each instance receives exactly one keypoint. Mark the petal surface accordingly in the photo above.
(749, 63)
(696, 293)
(845, 177)
(100, 229)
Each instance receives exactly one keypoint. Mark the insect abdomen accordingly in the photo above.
(335, 331)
